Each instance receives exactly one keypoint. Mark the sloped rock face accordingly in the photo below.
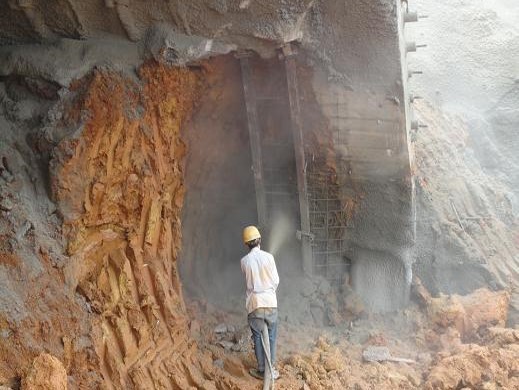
(119, 187)
(37, 314)
(46, 373)
(466, 223)
(469, 313)
(110, 305)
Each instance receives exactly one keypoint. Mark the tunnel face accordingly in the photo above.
(354, 151)
(149, 163)
(221, 198)
(357, 89)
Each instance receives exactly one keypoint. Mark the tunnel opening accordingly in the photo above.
(219, 175)
(222, 195)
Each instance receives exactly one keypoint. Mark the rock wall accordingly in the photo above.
(37, 313)
(466, 223)
(465, 158)
(110, 306)
(118, 185)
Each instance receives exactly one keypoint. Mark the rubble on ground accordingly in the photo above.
(490, 366)
(444, 342)
(46, 373)
(454, 318)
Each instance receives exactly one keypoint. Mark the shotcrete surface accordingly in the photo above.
(370, 56)
(472, 57)
(470, 73)
(92, 189)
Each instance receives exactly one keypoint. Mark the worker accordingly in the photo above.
(261, 277)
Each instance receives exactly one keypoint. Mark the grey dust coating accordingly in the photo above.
(354, 49)
(471, 77)
(359, 80)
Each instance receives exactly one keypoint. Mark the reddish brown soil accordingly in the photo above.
(331, 358)
(47, 372)
(8, 259)
(119, 186)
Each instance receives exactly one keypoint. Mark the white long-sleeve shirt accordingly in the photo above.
(262, 279)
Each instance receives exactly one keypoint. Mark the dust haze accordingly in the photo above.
(126, 178)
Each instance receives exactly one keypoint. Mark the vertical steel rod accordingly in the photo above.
(295, 116)
(249, 94)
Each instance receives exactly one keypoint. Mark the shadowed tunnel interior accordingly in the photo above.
(221, 198)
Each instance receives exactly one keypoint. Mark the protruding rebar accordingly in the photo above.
(412, 97)
(410, 73)
(410, 17)
(416, 124)
(412, 46)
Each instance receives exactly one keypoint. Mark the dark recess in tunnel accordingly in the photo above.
(220, 194)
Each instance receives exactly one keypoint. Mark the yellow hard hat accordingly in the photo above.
(250, 233)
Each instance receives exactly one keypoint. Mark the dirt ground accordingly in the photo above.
(91, 195)
(456, 342)
(467, 224)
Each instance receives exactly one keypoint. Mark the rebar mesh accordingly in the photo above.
(329, 217)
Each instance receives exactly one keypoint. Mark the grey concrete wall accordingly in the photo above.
(470, 80)
(355, 48)
(367, 113)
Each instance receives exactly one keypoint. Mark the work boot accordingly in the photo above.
(260, 374)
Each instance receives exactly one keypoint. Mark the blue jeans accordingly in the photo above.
(257, 318)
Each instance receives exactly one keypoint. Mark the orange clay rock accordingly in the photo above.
(467, 314)
(470, 313)
(483, 309)
(119, 187)
(336, 367)
(46, 373)
(118, 183)
(495, 366)
(502, 336)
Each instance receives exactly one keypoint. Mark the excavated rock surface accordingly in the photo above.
(119, 188)
(471, 157)
(467, 227)
(111, 306)
(37, 313)
(331, 358)
(468, 314)
(46, 373)
(477, 367)
(493, 366)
